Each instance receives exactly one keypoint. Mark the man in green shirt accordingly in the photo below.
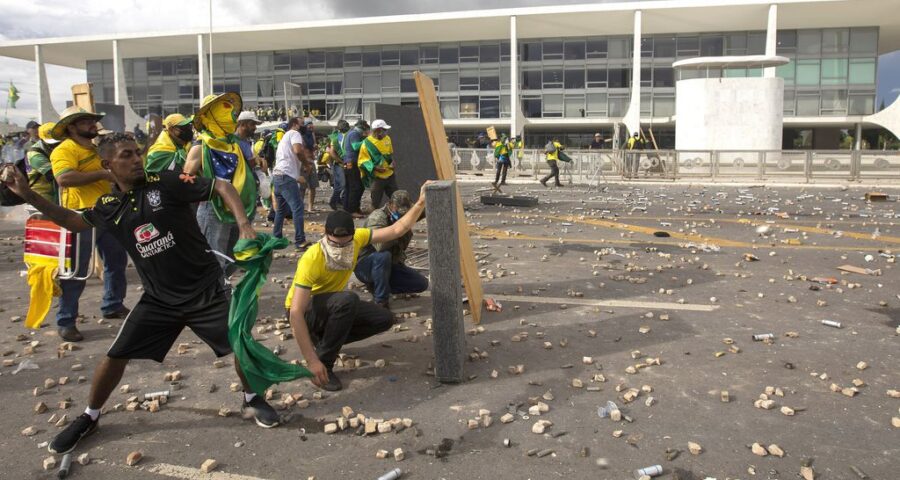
(170, 149)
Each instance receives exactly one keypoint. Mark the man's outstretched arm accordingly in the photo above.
(405, 223)
(68, 219)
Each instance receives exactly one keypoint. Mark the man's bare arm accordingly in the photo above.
(299, 304)
(68, 219)
(74, 178)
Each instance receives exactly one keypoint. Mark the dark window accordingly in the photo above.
(407, 85)
(490, 82)
(574, 78)
(334, 59)
(390, 57)
(489, 107)
(531, 107)
(449, 55)
(596, 49)
(664, 47)
(168, 67)
(334, 87)
(712, 46)
(316, 59)
(531, 51)
(490, 53)
(504, 51)
(297, 60)
(531, 80)
(574, 50)
(688, 46)
(429, 54)
(154, 68)
(468, 53)
(619, 77)
(553, 78)
(553, 50)
(316, 88)
(371, 59)
(596, 78)
(352, 59)
(787, 39)
(409, 57)
(663, 77)
(468, 82)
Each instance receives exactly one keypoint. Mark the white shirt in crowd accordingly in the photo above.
(286, 161)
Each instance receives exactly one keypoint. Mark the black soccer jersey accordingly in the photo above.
(154, 222)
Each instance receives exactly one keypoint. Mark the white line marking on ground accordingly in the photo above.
(607, 303)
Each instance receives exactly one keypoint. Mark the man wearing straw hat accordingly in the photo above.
(82, 180)
(221, 155)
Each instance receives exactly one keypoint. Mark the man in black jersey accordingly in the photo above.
(151, 216)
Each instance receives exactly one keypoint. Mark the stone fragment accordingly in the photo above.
(862, 366)
(49, 463)
(399, 454)
(540, 426)
(775, 450)
(695, 448)
(807, 473)
(724, 396)
(347, 412)
(472, 424)
(49, 383)
(381, 454)
(133, 458)
(29, 431)
(331, 427)
(787, 411)
(577, 383)
(84, 459)
(759, 450)
(895, 421)
(507, 418)
(384, 427)
(208, 465)
(40, 408)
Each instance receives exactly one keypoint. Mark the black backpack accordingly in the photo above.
(7, 197)
(268, 150)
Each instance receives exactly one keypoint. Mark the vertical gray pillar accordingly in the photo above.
(771, 38)
(513, 79)
(857, 140)
(203, 68)
(632, 119)
(46, 112)
(446, 284)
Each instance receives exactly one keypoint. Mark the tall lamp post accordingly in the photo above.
(292, 84)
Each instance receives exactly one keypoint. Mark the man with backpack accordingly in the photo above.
(553, 150)
(502, 150)
(41, 175)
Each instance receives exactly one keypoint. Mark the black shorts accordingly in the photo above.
(151, 328)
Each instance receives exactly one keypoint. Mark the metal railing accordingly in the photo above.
(589, 166)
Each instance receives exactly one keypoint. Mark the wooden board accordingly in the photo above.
(82, 96)
(414, 163)
(437, 137)
(491, 132)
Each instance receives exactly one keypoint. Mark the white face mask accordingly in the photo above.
(337, 258)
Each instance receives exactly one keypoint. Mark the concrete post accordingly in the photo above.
(446, 284)
(857, 138)
(771, 38)
(46, 112)
(632, 118)
(202, 68)
(513, 79)
(120, 92)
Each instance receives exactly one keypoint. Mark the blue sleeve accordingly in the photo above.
(246, 149)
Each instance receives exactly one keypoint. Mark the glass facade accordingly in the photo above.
(832, 73)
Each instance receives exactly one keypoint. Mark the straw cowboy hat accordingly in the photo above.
(211, 100)
(70, 115)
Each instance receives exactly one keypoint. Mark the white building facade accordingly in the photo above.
(567, 71)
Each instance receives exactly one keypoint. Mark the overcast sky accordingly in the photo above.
(24, 19)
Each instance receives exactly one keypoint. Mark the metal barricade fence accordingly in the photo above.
(713, 165)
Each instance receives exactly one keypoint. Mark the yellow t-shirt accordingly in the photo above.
(312, 274)
(554, 156)
(69, 156)
(385, 147)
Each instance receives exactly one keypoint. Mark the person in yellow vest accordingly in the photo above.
(41, 175)
(170, 149)
(502, 152)
(82, 180)
(376, 163)
(552, 150)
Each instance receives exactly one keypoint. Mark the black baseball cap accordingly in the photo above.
(340, 224)
(32, 124)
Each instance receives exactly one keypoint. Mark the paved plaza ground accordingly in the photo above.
(625, 275)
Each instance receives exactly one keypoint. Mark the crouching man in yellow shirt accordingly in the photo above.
(323, 316)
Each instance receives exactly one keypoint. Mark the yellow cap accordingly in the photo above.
(176, 120)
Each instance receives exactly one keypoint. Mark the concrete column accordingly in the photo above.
(46, 112)
(857, 138)
(632, 119)
(203, 68)
(446, 289)
(120, 92)
(771, 38)
(513, 79)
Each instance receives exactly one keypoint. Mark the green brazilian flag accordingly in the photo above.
(261, 367)
(13, 95)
